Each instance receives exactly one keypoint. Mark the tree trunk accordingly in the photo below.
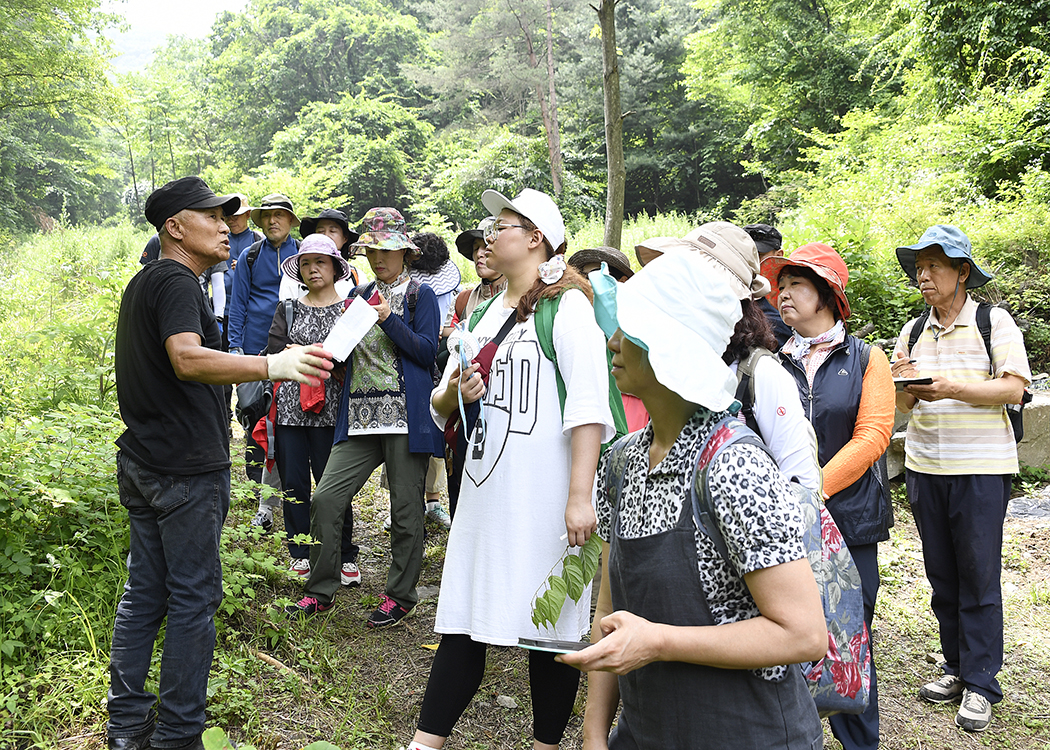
(617, 170)
(171, 151)
(152, 161)
(553, 132)
(134, 180)
(548, 104)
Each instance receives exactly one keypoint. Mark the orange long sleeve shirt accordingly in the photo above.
(871, 433)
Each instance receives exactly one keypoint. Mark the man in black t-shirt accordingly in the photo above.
(173, 467)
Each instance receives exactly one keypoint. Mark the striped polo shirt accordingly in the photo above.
(953, 437)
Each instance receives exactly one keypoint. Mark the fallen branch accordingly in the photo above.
(278, 664)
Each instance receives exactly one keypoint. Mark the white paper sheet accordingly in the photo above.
(351, 327)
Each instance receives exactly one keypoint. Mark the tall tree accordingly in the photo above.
(616, 169)
(497, 60)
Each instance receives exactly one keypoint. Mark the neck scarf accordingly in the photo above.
(799, 346)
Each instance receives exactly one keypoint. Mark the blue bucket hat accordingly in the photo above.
(953, 242)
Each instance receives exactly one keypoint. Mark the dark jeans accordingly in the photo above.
(174, 571)
(960, 521)
(300, 452)
(861, 731)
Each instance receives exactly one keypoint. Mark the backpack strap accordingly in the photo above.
(546, 310)
(411, 298)
(745, 388)
(253, 255)
(984, 325)
(289, 315)
(917, 328)
(461, 303)
(727, 432)
(616, 468)
(479, 313)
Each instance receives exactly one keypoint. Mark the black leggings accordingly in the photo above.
(455, 676)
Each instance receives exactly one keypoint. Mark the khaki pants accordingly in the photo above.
(350, 464)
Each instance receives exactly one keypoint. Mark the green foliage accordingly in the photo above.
(277, 56)
(787, 67)
(507, 163)
(577, 570)
(966, 45)
(58, 315)
(52, 58)
(368, 145)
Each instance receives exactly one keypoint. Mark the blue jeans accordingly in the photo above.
(174, 571)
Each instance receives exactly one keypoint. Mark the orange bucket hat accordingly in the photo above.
(819, 258)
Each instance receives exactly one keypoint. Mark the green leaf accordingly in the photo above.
(558, 588)
(591, 554)
(573, 575)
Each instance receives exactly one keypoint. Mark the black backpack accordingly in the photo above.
(984, 325)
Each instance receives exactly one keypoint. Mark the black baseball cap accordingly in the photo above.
(767, 239)
(185, 192)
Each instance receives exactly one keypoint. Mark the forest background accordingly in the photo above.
(857, 123)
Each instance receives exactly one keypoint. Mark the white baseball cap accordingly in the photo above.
(535, 206)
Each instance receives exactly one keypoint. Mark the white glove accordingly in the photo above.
(306, 364)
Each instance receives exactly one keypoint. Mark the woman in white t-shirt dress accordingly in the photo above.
(526, 488)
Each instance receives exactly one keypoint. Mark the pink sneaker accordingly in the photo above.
(388, 613)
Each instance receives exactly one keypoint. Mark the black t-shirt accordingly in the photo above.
(173, 426)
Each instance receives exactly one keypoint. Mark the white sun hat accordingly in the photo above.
(685, 316)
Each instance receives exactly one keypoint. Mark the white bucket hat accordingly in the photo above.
(535, 206)
(685, 316)
(728, 249)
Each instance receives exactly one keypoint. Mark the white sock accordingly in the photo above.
(431, 504)
(413, 745)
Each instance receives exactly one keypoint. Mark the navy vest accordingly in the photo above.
(862, 510)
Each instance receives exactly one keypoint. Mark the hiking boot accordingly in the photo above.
(349, 575)
(440, 516)
(300, 567)
(388, 613)
(308, 605)
(264, 520)
(945, 690)
(975, 713)
(138, 742)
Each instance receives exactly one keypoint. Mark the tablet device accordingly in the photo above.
(901, 382)
(555, 647)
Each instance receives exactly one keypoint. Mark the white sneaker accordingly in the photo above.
(944, 690)
(386, 523)
(264, 520)
(350, 575)
(975, 713)
(300, 567)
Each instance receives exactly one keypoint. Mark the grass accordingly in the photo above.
(338, 681)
